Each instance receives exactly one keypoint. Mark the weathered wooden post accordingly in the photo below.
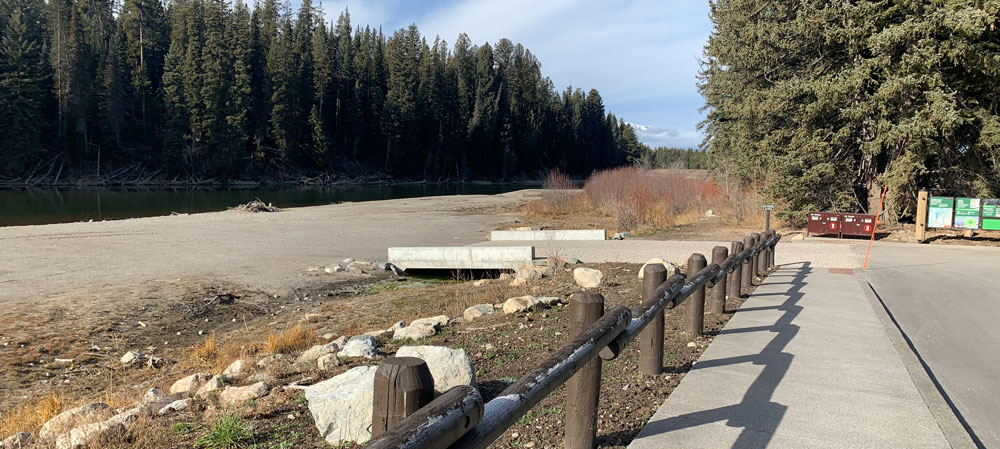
(696, 302)
(717, 297)
(771, 263)
(584, 388)
(651, 338)
(402, 386)
(747, 265)
(736, 276)
(922, 199)
(755, 261)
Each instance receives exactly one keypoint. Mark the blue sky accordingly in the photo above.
(642, 55)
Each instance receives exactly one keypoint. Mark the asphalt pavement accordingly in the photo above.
(946, 301)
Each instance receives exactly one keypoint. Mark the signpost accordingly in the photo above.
(767, 219)
(967, 213)
(940, 212)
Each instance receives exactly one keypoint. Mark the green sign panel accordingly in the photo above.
(940, 212)
(967, 213)
(991, 214)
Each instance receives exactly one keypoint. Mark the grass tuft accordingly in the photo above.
(206, 351)
(229, 431)
(289, 340)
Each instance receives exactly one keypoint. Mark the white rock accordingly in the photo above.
(88, 434)
(414, 332)
(477, 311)
(437, 322)
(397, 326)
(799, 237)
(310, 355)
(66, 421)
(480, 282)
(381, 334)
(232, 396)
(132, 358)
(155, 399)
(692, 344)
(347, 261)
(548, 301)
(587, 277)
(360, 346)
(271, 360)
(178, 405)
(333, 269)
(529, 272)
(670, 266)
(190, 384)
(329, 336)
(17, 441)
(449, 367)
(235, 369)
(519, 304)
(327, 362)
(341, 406)
(342, 340)
(215, 383)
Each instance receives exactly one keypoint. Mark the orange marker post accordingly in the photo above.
(874, 228)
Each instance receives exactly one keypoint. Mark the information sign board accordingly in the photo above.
(991, 214)
(940, 212)
(768, 207)
(967, 213)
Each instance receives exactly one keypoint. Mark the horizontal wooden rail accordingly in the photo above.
(531, 388)
(458, 419)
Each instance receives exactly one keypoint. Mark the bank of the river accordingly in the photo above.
(50, 205)
(265, 251)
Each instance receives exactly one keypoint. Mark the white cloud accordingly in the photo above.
(666, 137)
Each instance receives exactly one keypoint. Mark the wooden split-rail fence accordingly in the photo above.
(406, 417)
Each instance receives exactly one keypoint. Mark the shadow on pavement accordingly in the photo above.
(756, 413)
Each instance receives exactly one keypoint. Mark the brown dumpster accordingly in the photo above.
(824, 223)
(858, 224)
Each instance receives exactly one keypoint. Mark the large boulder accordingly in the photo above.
(360, 346)
(477, 311)
(587, 277)
(341, 406)
(70, 419)
(531, 272)
(233, 396)
(670, 266)
(519, 304)
(449, 367)
(190, 384)
(178, 405)
(309, 356)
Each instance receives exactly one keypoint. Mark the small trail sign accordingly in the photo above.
(768, 207)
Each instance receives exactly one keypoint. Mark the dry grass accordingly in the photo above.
(30, 416)
(207, 351)
(289, 340)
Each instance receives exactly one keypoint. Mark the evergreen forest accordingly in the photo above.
(196, 89)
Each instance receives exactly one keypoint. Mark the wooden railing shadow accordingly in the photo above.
(756, 413)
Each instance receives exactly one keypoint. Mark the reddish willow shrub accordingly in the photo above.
(650, 198)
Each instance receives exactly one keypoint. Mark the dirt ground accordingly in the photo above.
(502, 348)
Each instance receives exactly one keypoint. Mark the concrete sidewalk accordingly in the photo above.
(805, 363)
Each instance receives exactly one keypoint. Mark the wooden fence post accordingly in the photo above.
(736, 276)
(745, 281)
(696, 302)
(651, 338)
(402, 386)
(584, 388)
(717, 297)
(754, 261)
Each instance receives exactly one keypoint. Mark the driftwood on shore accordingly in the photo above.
(255, 206)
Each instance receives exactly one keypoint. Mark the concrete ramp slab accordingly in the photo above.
(461, 258)
(553, 234)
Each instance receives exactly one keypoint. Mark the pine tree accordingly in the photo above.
(23, 77)
(400, 117)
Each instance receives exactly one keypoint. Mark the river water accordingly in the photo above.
(30, 207)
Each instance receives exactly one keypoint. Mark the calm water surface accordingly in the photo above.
(61, 206)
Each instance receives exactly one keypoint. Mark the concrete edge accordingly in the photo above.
(953, 428)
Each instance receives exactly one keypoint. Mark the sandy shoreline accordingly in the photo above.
(263, 251)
